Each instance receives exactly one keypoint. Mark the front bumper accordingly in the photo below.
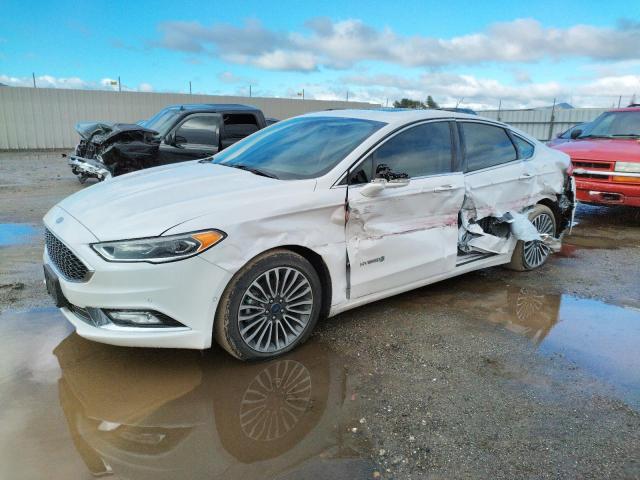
(88, 167)
(186, 290)
(607, 192)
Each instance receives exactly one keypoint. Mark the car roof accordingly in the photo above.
(397, 116)
(213, 107)
(626, 109)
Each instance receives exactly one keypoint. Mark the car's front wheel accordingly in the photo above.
(534, 254)
(269, 307)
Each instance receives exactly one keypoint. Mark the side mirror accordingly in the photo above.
(576, 133)
(170, 139)
(372, 189)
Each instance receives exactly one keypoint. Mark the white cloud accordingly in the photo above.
(50, 81)
(231, 78)
(345, 43)
(446, 88)
(282, 60)
(485, 93)
(44, 81)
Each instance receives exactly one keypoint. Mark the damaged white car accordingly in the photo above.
(302, 220)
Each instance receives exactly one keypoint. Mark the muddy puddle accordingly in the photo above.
(597, 242)
(74, 408)
(16, 233)
(597, 337)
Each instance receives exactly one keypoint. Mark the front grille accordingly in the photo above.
(592, 165)
(64, 259)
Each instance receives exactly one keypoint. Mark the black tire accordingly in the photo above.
(226, 324)
(518, 261)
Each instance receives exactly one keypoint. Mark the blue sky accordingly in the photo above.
(523, 53)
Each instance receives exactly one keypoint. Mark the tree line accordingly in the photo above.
(416, 104)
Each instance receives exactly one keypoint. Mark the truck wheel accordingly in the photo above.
(269, 307)
(534, 254)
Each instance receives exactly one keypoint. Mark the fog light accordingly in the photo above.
(141, 318)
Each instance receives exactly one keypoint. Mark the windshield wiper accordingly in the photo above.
(632, 135)
(254, 170)
(594, 136)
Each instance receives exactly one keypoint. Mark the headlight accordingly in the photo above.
(159, 249)
(628, 167)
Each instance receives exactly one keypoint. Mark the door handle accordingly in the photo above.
(443, 188)
(525, 176)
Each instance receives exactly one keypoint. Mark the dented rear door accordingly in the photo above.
(407, 234)
(497, 181)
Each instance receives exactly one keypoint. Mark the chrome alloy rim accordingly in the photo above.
(275, 309)
(536, 251)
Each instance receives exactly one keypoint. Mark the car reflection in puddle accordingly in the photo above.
(142, 413)
(598, 337)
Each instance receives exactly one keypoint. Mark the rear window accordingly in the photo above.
(486, 146)
(239, 125)
(525, 149)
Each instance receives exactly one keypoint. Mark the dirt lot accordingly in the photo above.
(494, 374)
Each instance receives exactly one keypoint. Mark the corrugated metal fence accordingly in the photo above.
(544, 124)
(44, 118)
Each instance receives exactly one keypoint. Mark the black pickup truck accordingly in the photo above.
(175, 134)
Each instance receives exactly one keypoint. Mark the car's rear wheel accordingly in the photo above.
(534, 254)
(270, 306)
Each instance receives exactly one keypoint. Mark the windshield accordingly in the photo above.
(614, 124)
(306, 147)
(162, 121)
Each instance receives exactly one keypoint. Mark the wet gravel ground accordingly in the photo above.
(495, 374)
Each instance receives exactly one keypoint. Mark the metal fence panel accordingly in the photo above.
(539, 124)
(44, 118)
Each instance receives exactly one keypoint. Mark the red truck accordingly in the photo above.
(606, 158)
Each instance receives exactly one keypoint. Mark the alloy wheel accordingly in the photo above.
(275, 309)
(536, 251)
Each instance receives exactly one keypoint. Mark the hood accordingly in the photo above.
(107, 130)
(626, 150)
(149, 202)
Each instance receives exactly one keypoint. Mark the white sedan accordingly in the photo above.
(305, 219)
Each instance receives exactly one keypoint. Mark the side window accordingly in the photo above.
(418, 151)
(486, 146)
(199, 130)
(363, 173)
(237, 126)
(525, 149)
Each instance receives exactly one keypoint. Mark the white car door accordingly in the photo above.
(497, 180)
(407, 231)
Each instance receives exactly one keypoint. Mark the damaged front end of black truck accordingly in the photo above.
(177, 133)
(110, 149)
